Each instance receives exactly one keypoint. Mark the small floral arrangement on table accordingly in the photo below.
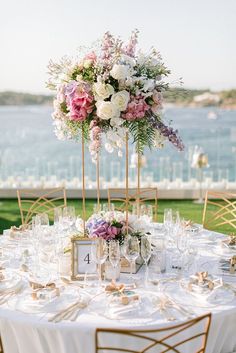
(112, 226)
(112, 88)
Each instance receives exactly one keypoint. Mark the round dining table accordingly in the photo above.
(29, 328)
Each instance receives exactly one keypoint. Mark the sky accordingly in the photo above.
(195, 37)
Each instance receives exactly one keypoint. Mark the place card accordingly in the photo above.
(232, 268)
(81, 258)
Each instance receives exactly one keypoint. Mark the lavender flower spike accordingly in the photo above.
(167, 132)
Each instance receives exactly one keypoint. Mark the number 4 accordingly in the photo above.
(87, 259)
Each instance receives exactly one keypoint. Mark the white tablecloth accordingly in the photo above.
(32, 333)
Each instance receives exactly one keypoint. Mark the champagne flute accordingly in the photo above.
(131, 251)
(114, 255)
(167, 218)
(99, 253)
(182, 246)
(146, 251)
(57, 216)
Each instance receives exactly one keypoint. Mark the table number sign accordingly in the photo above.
(81, 258)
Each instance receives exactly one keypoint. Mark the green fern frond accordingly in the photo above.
(143, 135)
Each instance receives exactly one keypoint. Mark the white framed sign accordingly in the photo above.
(81, 258)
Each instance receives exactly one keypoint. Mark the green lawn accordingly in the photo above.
(10, 215)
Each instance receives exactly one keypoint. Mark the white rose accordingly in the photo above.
(120, 72)
(120, 99)
(149, 85)
(106, 110)
(103, 90)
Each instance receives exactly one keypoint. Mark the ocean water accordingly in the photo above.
(29, 147)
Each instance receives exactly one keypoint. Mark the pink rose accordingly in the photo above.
(157, 97)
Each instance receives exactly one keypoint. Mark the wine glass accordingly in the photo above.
(114, 255)
(99, 253)
(175, 218)
(147, 212)
(146, 252)
(68, 217)
(42, 220)
(131, 251)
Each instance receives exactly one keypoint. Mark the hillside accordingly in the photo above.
(176, 96)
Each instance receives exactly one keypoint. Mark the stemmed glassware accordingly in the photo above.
(147, 212)
(65, 219)
(69, 215)
(42, 220)
(167, 221)
(146, 252)
(114, 255)
(57, 216)
(99, 253)
(182, 245)
(131, 251)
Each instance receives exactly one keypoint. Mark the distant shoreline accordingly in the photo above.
(178, 97)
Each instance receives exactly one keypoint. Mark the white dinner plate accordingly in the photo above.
(11, 280)
(26, 304)
(137, 311)
(223, 251)
(221, 296)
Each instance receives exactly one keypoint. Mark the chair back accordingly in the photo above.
(190, 336)
(219, 210)
(143, 195)
(31, 204)
(1, 346)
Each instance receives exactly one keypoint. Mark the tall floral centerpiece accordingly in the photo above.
(115, 90)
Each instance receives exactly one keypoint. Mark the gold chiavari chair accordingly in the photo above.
(190, 336)
(31, 204)
(1, 346)
(219, 210)
(143, 195)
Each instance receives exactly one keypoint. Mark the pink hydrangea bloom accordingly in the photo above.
(80, 101)
(136, 108)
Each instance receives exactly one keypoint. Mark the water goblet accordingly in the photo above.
(114, 255)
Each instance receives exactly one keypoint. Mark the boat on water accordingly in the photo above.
(212, 115)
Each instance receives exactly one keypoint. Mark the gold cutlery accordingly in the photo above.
(68, 312)
(5, 297)
(186, 312)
